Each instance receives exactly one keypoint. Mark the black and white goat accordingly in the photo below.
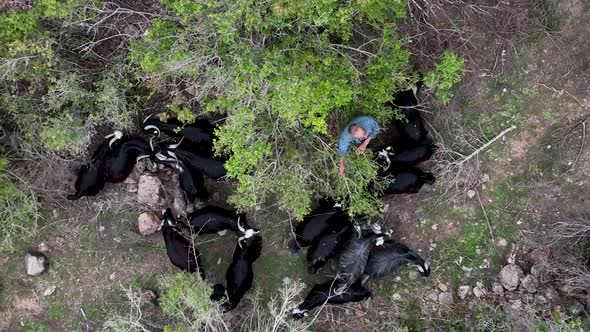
(213, 168)
(389, 257)
(240, 273)
(329, 244)
(331, 292)
(91, 177)
(120, 162)
(354, 258)
(389, 157)
(213, 219)
(196, 137)
(314, 224)
(408, 180)
(181, 251)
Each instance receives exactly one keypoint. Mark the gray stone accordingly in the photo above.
(148, 190)
(413, 275)
(432, 295)
(463, 291)
(540, 300)
(479, 291)
(529, 283)
(574, 307)
(551, 294)
(497, 288)
(35, 263)
(442, 287)
(148, 223)
(445, 298)
(510, 276)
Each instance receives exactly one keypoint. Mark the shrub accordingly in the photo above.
(19, 212)
(276, 71)
(447, 73)
(186, 298)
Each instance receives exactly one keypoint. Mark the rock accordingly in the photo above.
(35, 262)
(517, 304)
(510, 276)
(442, 287)
(485, 177)
(538, 255)
(470, 193)
(413, 275)
(574, 307)
(148, 223)
(179, 202)
(497, 288)
(540, 300)
(479, 291)
(432, 295)
(463, 291)
(396, 297)
(445, 298)
(539, 271)
(49, 290)
(148, 190)
(551, 294)
(529, 283)
(42, 247)
(501, 242)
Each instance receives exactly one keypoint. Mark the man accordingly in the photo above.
(360, 130)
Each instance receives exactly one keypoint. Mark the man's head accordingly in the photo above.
(356, 131)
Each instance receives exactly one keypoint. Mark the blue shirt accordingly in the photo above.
(368, 123)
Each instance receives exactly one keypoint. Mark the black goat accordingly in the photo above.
(329, 244)
(213, 219)
(404, 157)
(120, 162)
(412, 126)
(181, 252)
(407, 180)
(387, 258)
(355, 256)
(314, 224)
(90, 180)
(211, 167)
(240, 273)
(331, 292)
(91, 177)
(201, 131)
(196, 137)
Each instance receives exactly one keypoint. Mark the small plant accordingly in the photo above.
(447, 73)
(19, 212)
(186, 298)
(65, 134)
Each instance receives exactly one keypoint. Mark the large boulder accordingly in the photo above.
(35, 263)
(510, 276)
(148, 191)
(148, 223)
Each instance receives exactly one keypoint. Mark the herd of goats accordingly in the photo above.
(365, 252)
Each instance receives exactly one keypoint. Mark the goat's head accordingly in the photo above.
(424, 269)
(117, 135)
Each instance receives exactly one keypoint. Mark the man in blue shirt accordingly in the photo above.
(360, 130)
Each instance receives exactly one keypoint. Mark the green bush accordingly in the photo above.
(447, 73)
(19, 212)
(276, 71)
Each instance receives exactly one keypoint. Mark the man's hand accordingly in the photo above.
(341, 169)
(361, 149)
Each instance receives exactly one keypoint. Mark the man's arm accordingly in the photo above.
(341, 168)
(361, 149)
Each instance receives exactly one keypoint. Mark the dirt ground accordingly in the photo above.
(522, 69)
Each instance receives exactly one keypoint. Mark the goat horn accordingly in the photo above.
(152, 143)
(147, 118)
(174, 146)
(117, 136)
(240, 228)
(240, 242)
(152, 127)
(161, 156)
(142, 157)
